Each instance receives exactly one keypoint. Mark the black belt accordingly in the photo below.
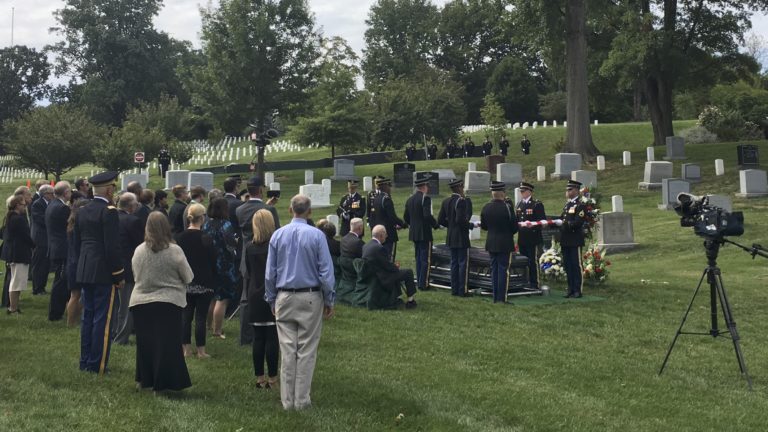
(298, 290)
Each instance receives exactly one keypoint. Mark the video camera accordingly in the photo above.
(707, 220)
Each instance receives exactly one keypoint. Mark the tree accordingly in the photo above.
(515, 89)
(493, 114)
(261, 57)
(53, 139)
(116, 152)
(579, 138)
(23, 76)
(174, 121)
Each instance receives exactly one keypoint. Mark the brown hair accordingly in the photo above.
(76, 206)
(178, 190)
(263, 225)
(219, 209)
(157, 234)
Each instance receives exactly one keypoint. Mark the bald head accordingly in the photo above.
(379, 232)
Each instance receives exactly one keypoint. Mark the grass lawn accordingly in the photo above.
(462, 364)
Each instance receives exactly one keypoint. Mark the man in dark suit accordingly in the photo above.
(230, 194)
(352, 206)
(529, 239)
(56, 217)
(385, 215)
(38, 184)
(388, 273)
(455, 212)
(352, 243)
(137, 190)
(146, 198)
(176, 213)
(40, 264)
(418, 216)
(498, 218)
(131, 236)
(99, 271)
(572, 237)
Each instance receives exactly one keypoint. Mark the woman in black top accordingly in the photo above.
(198, 248)
(17, 249)
(265, 343)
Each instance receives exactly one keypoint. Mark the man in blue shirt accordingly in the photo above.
(299, 285)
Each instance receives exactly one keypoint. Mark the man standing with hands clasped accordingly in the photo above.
(572, 238)
(498, 218)
(529, 238)
(299, 285)
(418, 215)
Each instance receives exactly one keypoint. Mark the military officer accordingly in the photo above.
(503, 145)
(163, 161)
(487, 146)
(572, 237)
(418, 216)
(371, 197)
(498, 218)
(432, 151)
(384, 214)
(455, 212)
(469, 148)
(352, 206)
(99, 271)
(525, 145)
(410, 150)
(529, 239)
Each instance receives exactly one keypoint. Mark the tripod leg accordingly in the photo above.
(731, 325)
(682, 322)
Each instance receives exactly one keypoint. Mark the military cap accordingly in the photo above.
(103, 179)
(526, 185)
(573, 184)
(456, 183)
(255, 181)
(497, 186)
(383, 181)
(421, 182)
(352, 183)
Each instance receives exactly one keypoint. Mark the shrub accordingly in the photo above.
(698, 135)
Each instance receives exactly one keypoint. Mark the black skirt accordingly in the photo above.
(159, 354)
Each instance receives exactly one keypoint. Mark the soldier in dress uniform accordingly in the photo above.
(498, 218)
(418, 216)
(432, 151)
(572, 237)
(503, 145)
(99, 271)
(163, 160)
(384, 214)
(469, 148)
(525, 145)
(487, 146)
(352, 206)
(409, 152)
(529, 240)
(455, 212)
(371, 197)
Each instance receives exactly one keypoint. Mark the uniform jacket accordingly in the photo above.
(17, 242)
(385, 215)
(531, 211)
(498, 218)
(455, 212)
(487, 148)
(56, 217)
(503, 147)
(353, 206)
(352, 246)
(418, 216)
(572, 230)
(100, 258)
(371, 213)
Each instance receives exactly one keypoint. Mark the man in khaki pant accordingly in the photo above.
(299, 285)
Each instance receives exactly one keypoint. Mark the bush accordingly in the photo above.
(728, 125)
(698, 135)
(553, 106)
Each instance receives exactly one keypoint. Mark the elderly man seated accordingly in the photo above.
(388, 273)
(352, 243)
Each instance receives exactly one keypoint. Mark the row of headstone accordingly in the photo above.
(176, 177)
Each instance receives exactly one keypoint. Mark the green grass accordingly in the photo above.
(462, 364)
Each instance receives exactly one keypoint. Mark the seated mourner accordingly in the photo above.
(388, 273)
(352, 243)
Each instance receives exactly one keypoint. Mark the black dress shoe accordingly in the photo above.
(411, 304)
(569, 295)
(577, 295)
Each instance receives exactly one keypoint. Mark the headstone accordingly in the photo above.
(274, 186)
(586, 178)
(509, 173)
(309, 177)
(343, 169)
(617, 204)
(525, 125)
(626, 158)
(434, 181)
(615, 232)
(675, 148)
(670, 187)
(326, 185)
(650, 154)
(691, 173)
(403, 174)
(367, 183)
(471, 166)
(477, 181)
(198, 178)
(492, 162)
(752, 184)
(518, 195)
(541, 173)
(474, 234)
(334, 220)
(721, 201)
(654, 173)
(565, 124)
(316, 194)
(719, 167)
(269, 177)
(600, 162)
(565, 163)
(554, 123)
(142, 178)
(176, 177)
(749, 156)
(445, 174)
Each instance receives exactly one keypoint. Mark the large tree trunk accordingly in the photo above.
(579, 134)
(658, 94)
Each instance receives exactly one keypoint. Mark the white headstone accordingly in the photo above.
(670, 188)
(541, 173)
(334, 220)
(586, 178)
(752, 183)
(509, 173)
(650, 155)
(269, 177)
(565, 124)
(317, 195)
(274, 186)
(343, 169)
(143, 179)
(565, 163)
(471, 166)
(719, 167)
(309, 177)
(615, 232)
(617, 204)
(525, 125)
(475, 233)
(654, 173)
(626, 158)
(326, 185)
(596, 123)
(176, 177)
(367, 183)
(199, 178)
(600, 162)
(554, 123)
(518, 195)
(544, 124)
(477, 181)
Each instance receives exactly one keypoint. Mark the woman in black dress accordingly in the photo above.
(17, 249)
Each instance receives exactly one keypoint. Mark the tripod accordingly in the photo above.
(716, 292)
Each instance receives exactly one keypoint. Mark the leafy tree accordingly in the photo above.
(116, 152)
(493, 114)
(553, 106)
(23, 76)
(54, 139)
(515, 89)
(167, 115)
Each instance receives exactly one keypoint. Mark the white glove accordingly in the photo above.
(558, 222)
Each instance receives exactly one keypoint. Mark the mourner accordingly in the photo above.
(352, 243)
(525, 145)
(352, 206)
(385, 215)
(418, 216)
(498, 218)
(389, 274)
(131, 236)
(487, 146)
(176, 213)
(572, 237)
(40, 264)
(503, 145)
(455, 212)
(529, 239)
(56, 217)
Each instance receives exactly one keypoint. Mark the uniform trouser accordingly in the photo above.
(391, 247)
(123, 326)
(459, 271)
(98, 310)
(572, 264)
(40, 269)
(59, 291)
(500, 275)
(299, 319)
(532, 253)
(423, 258)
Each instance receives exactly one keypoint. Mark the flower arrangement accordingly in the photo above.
(551, 264)
(595, 264)
(591, 201)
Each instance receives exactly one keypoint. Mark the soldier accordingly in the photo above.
(487, 146)
(525, 145)
(498, 218)
(371, 197)
(410, 150)
(99, 271)
(352, 206)
(503, 145)
(529, 239)
(384, 214)
(455, 212)
(432, 151)
(418, 215)
(572, 237)
(469, 147)
(163, 160)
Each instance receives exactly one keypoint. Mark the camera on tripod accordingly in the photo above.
(707, 220)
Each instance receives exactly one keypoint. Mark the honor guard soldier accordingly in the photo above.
(572, 237)
(455, 212)
(503, 145)
(469, 148)
(498, 218)
(432, 151)
(163, 160)
(418, 216)
(384, 214)
(352, 206)
(529, 239)
(371, 197)
(409, 152)
(525, 145)
(99, 271)
(487, 146)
